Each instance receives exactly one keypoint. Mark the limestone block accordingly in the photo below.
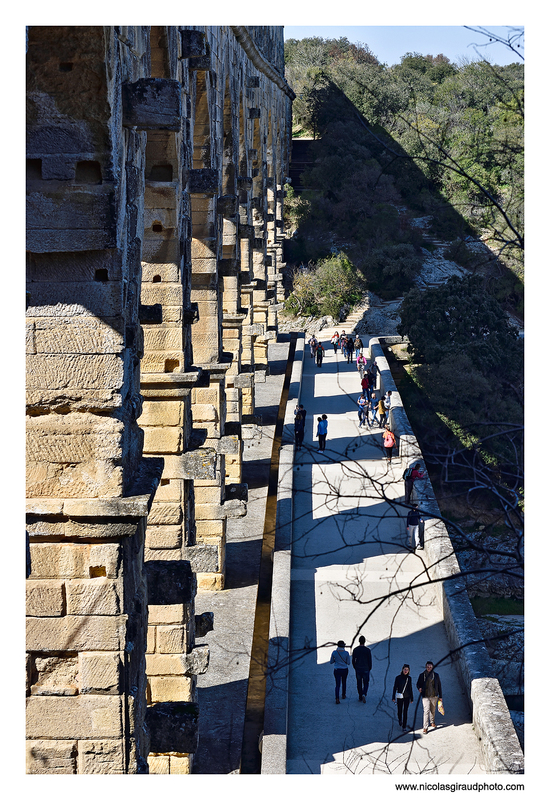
(100, 756)
(164, 664)
(161, 251)
(165, 514)
(56, 560)
(172, 639)
(170, 490)
(166, 216)
(71, 633)
(169, 294)
(162, 440)
(158, 765)
(89, 479)
(81, 717)
(210, 395)
(210, 582)
(168, 271)
(173, 614)
(45, 598)
(56, 675)
(205, 266)
(162, 338)
(180, 764)
(149, 555)
(162, 361)
(74, 371)
(74, 266)
(152, 104)
(204, 412)
(77, 335)
(75, 299)
(70, 218)
(160, 195)
(51, 757)
(95, 596)
(214, 528)
(163, 537)
(197, 464)
(202, 557)
(164, 689)
(99, 673)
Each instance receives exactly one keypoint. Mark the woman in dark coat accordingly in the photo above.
(403, 694)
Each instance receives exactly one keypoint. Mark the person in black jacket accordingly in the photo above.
(361, 661)
(403, 694)
(429, 686)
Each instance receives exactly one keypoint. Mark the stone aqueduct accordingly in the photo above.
(156, 162)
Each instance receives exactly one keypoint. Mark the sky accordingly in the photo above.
(390, 42)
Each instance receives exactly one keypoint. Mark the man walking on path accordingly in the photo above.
(312, 346)
(341, 660)
(413, 527)
(429, 686)
(373, 408)
(361, 661)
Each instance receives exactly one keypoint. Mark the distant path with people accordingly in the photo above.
(352, 574)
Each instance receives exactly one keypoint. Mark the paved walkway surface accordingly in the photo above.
(353, 573)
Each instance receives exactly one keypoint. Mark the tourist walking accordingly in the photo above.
(362, 413)
(349, 349)
(343, 340)
(358, 345)
(388, 440)
(335, 341)
(320, 352)
(365, 386)
(382, 412)
(410, 475)
(373, 409)
(361, 364)
(361, 661)
(414, 521)
(299, 428)
(402, 694)
(341, 661)
(429, 686)
(313, 346)
(387, 402)
(322, 430)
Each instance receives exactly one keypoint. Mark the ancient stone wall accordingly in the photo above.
(156, 161)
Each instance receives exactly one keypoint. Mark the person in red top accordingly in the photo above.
(410, 479)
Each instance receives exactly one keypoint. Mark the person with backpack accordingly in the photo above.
(388, 440)
(320, 352)
(382, 412)
(335, 341)
(358, 345)
(410, 475)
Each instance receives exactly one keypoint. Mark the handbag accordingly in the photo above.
(399, 695)
(440, 707)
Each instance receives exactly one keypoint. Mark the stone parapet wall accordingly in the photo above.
(156, 161)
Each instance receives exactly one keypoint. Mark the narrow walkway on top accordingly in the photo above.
(353, 574)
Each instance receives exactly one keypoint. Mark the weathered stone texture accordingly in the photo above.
(155, 157)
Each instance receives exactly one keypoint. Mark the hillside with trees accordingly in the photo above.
(402, 157)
